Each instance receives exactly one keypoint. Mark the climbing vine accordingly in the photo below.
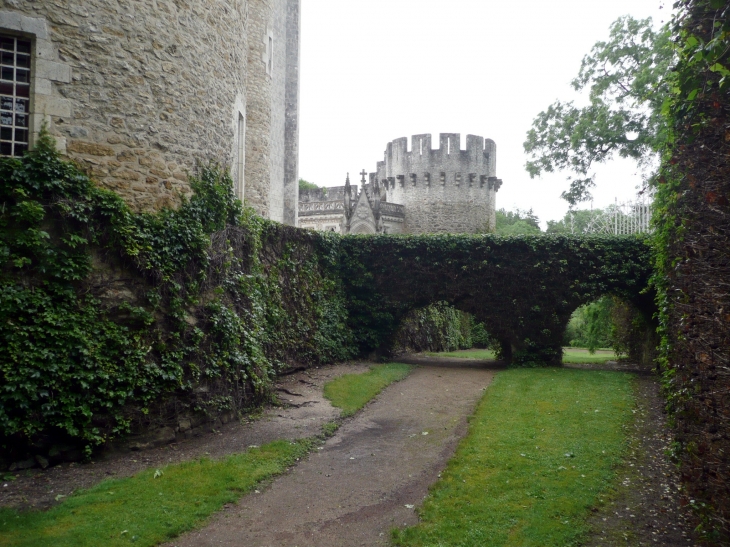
(114, 321)
(110, 319)
(692, 222)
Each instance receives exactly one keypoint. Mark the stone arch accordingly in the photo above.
(523, 288)
(362, 228)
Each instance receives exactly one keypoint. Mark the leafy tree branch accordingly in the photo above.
(625, 80)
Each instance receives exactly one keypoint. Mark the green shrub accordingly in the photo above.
(437, 327)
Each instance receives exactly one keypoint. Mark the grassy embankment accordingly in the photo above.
(351, 392)
(152, 506)
(157, 505)
(570, 355)
(540, 453)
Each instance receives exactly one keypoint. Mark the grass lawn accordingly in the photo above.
(582, 355)
(466, 354)
(351, 392)
(570, 355)
(539, 455)
(150, 507)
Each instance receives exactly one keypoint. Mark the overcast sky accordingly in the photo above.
(376, 70)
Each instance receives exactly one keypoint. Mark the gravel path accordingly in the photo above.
(368, 477)
(648, 508)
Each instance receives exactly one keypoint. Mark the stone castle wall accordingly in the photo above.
(258, 109)
(140, 92)
(291, 126)
(278, 118)
(445, 189)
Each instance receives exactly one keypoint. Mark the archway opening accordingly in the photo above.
(611, 324)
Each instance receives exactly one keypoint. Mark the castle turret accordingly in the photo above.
(445, 189)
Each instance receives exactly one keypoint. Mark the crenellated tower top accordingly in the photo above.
(444, 189)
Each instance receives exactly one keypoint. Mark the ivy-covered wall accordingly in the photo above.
(692, 248)
(112, 321)
(522, 288)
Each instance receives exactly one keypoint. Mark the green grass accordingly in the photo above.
(145, 509)
(570, 355)
(466, 354)
(581, 356)
(539, 455)
(351, 392)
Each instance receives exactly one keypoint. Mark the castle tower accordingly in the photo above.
(443, 190)
(140, 93)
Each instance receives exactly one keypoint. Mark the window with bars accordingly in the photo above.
(14, 95)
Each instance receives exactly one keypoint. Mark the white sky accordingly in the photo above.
(376, 70)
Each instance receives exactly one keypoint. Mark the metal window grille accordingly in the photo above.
(14, 95)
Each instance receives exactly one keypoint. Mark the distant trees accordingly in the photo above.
(517, 222)
(591, 326)
(306, 185)
(577, 221)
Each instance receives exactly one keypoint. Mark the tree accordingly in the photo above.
(517, 222)
(576, 221)
(306, 185)
(590, 326)
(625, 77)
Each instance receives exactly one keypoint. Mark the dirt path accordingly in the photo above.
(364, 480)
(368, 477)
(303, 412)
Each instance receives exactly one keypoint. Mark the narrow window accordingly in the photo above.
(241, 159)
(271, 54)
(448, 145)
(14, 95)
(421, 146)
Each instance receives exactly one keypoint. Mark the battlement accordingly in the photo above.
(449, 144)
(444, 189)
(448, 165)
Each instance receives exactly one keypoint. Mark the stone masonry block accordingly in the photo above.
(41, 86)
(45, 49)
(52, 106)
(90, 148)
(60, 144)
(35, 26)
(37, 121)
(11, 20)
(52, 70)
